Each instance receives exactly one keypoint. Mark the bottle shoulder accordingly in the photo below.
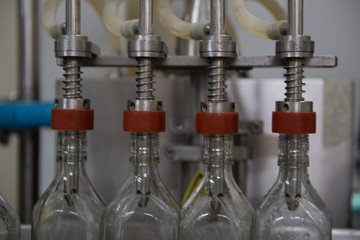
(128, 200)
(85, 202)
(310, 205)
(233, 203)
(9, 218)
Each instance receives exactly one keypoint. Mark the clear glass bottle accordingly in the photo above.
(9, 222)
(217, 209)
(143, 209)
(293, 209)
(71, 208)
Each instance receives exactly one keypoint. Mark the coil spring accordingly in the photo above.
(145, 80)
(294, 83)
(72, 82)
(217, 78)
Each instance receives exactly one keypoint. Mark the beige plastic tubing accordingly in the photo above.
(114, 24)
(48, 18)
(53, 29)
(257, 26)
(175, 25)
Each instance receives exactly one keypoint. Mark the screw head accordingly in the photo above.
(204, 107)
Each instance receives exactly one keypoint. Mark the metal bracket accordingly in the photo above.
(197, 63)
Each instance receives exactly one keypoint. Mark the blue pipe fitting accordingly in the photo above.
(18, 115)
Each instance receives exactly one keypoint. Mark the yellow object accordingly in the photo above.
(194, 183)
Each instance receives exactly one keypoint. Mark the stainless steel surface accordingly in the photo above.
(338, 234)
(217, 46)
(75, 46)
(217, 17)
(298, 46)
(28, 91)
(145, 105)
(217, 107)
(345, 234)
(146, 17)
(73, 12)
(194, 63)
(295, 19)
(69, 103)
(291, 106)
(149, 46)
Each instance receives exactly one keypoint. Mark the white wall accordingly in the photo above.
(8, 84)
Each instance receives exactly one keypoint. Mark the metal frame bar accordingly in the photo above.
(28, 91)
(194, 63)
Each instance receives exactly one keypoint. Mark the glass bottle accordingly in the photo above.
(143, 209)
(70, 208)
(217, 209)
(9, 222)
(293, 209)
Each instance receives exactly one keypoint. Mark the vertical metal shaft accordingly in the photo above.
(294, 153)
(294, 70)
(146, 17)
(217, 17)
(73, 17)
(295, 18)
(145, 74)
(217, 73)
(28, 91)
(72, 88)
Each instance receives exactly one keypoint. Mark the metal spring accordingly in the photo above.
(217, 78)
(72, 82)
(145, 80)
(294, 83)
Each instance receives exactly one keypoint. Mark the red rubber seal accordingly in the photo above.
(217, 123)
(72, 119)
(294, 123)
(144, 121)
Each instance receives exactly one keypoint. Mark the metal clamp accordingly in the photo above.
(148, 46)
(300, 46)
(145, 105)
(72, 103)
(217, 46)
(75, 46)
(294, 106)
(217, 107)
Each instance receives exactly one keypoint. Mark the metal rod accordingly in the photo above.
(72, 81)
(73, 17)
(295, 18)
(218, 17)
(146, 17)
(28, 91)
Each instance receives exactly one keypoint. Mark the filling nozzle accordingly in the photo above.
(143, 183)
(72, 112)
(294, 116)
(145, 114)
(217, 117)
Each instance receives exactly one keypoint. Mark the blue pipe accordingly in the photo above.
(17, 115)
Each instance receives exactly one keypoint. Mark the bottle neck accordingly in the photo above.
(293, 162)
(293, 152)
(218, 165)
(71, 147)
(218, 151)
(144, 157)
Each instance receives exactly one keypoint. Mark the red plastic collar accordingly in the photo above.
(217, 123)
(72, 119)
(144, 121)
(294, 123)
